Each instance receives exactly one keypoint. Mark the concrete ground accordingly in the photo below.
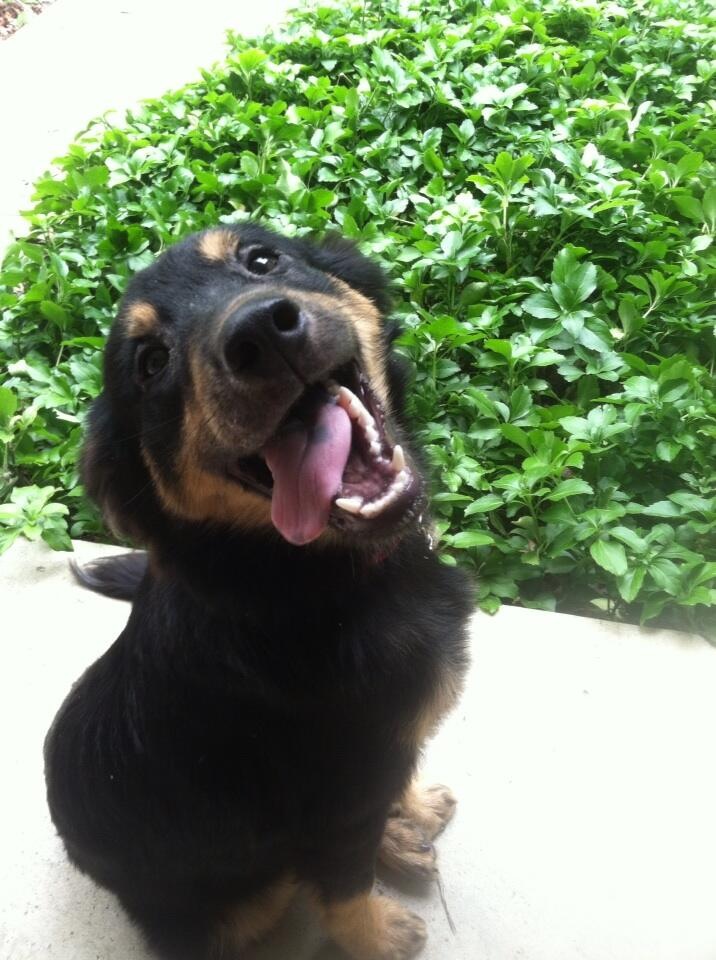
(581, 751)
(82, 58)
(581, 754)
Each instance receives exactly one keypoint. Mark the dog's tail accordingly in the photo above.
(118, 576)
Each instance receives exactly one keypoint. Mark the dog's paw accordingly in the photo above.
(431, 808)
(400, 934)
(370, 927)
(405, 849)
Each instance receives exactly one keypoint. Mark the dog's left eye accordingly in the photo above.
(151, 360)
(261, 260)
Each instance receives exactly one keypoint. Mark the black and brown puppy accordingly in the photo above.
(293, 639)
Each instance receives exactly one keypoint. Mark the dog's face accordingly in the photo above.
(249, 382)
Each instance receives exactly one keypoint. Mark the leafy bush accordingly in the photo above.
(537, 177)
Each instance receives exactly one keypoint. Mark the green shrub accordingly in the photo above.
(539, 181)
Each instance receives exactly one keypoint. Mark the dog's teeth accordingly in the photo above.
(369, 428)
(398, 462)
(350, 504)
(375, 448)
(352, 404)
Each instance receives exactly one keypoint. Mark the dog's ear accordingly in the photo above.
(114, 473)
(343, 259)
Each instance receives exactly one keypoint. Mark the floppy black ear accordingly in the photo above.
(115, 475)
(343, 259)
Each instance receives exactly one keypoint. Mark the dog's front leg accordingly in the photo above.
(366, 925)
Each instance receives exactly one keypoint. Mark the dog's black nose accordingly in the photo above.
(262, 336)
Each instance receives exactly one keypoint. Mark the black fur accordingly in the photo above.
(117, 577)
(251, 718)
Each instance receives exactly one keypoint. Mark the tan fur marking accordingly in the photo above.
(374, 928)
(429, 808)
(218, 244)
(253, 918)
(201, 494)
(367, 323)
(141, 319)
(404, 848)
(443, 699)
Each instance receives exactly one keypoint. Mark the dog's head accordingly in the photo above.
(250, 383)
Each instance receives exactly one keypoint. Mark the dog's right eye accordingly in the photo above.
(152, 358)
(261, 260)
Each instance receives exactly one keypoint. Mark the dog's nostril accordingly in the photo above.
(285, 316)
(262, 336)
(242, 355)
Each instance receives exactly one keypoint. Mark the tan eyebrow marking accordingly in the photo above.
(218, 244)
(141, 319)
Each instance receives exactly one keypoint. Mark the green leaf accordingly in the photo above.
(631, 583)
(663, 508)
(55, 313)
(516, 436)
(708, 205)
(471, 538)
(572, 281)
(541, 305)
(8, 404)
(688, 206)
(288, 183)
(630, 538)
(610, 556)
(571, 487)
(484, 504)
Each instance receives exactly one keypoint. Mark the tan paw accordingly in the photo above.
(370, 927)
(431, 808)
(402, 936)
(405, 849)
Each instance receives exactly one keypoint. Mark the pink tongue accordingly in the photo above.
(307, 462)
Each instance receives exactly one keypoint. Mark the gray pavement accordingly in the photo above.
(581, 754)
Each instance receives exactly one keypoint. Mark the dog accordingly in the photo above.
(293, 638)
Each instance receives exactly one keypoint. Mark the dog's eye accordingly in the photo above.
(151, 360)
(261, 260)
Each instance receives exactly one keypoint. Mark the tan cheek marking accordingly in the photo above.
(218, 245)
(201, 495)
(366, 321)
(141, 319)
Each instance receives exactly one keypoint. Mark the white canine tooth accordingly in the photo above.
(350, 504)
(398, 463)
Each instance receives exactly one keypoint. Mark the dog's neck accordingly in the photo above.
(214, 563)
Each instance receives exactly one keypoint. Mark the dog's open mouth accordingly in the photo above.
(331, 461)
